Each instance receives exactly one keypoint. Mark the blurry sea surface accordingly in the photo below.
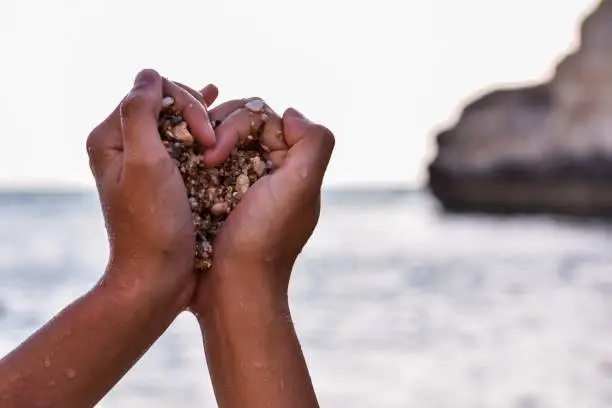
(396, 304)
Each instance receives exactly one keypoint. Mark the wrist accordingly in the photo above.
(243, 316)
(147, 281)
(242, 292)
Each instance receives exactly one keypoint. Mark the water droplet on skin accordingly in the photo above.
(71, 373)
(47, 362)
(281, 384)
(304, 172)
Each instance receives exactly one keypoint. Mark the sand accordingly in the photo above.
(213, 192)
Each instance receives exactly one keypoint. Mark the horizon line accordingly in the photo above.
(80, 189)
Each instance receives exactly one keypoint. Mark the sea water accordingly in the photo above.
(396, 304)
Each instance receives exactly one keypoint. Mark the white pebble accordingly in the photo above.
(242, 183)
(167, 101)
(206, 247)
(255, 105)
(259, 166)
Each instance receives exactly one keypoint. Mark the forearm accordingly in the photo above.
(253, 353)
(76, 358)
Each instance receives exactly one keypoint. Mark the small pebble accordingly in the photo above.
(176, 150)
(174, 120)
(167, 101)
(213, 193)
(219, 208)
(242, 183)
(256, 105)
(180, 132)
(206, 247)
(258, 166)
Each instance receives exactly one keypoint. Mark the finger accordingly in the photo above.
(272, 135)
(221, 112)
(138, 113)
(277, 158)
(310, 149)
(193, 112)
(192, 91)
(209, 94)
(255, 118)
(236, 128)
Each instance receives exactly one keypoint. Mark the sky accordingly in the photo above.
(384, 76)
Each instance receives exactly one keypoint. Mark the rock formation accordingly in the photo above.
(546, 148)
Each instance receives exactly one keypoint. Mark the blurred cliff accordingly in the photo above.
(544, 148)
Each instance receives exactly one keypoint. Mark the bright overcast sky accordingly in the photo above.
(383, 75)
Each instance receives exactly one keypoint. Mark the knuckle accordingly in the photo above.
(326, 137)
(93, 140)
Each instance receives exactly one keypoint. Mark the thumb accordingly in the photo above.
(310, 149)
(139, 112)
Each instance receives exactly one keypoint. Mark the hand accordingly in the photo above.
(143, 197)
(241, 303)
(261, 239)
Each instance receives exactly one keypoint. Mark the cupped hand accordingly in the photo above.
(261, 239)
(143, 198)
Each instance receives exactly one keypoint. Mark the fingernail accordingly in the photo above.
(146, 77)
